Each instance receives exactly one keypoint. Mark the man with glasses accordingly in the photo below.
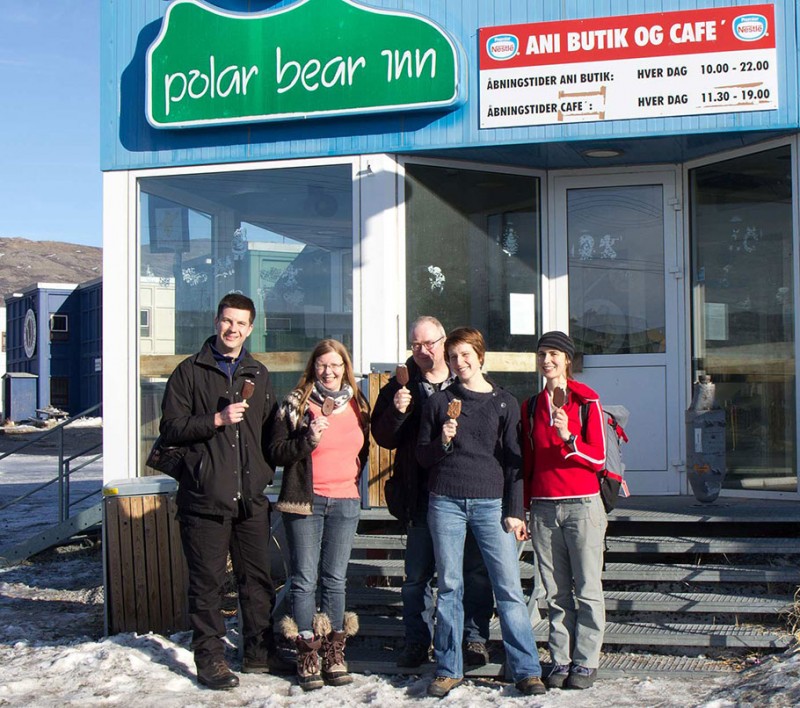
(395, 426)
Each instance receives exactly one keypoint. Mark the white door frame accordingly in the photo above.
(555, 293)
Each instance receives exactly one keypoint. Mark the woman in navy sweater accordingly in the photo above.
(475, 481)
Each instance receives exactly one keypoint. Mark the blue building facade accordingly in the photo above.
(625, 171)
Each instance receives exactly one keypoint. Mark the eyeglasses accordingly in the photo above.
(417, 346)
(332, 367)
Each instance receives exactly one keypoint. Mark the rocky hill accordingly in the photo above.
(24, 263)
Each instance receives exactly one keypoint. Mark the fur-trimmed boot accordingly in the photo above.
(334, 667)
(308, 664)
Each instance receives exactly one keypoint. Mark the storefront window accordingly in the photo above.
(282, 237)
(616, 269)
(743, 304)
(472, 259)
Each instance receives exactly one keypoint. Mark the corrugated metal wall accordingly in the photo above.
(128, 141)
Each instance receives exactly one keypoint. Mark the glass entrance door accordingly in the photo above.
(616, 243)
(743, 297)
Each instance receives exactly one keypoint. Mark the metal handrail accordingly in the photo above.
(64, 463)
(58, 428)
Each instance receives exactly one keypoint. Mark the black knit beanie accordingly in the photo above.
(557, 340)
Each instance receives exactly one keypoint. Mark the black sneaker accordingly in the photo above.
(557, 676)
(476, 654)
(581, 677)
(412, 656)
(216, 675)
(531, 686)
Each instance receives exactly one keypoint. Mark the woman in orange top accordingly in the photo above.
(321, 437)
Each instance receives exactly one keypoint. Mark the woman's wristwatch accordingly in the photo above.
(571, 440)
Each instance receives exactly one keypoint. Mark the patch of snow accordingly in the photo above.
(53, 652)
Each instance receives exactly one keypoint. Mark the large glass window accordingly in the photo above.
(472, 259)
(616, 269)
(743, 301)
(282, 237)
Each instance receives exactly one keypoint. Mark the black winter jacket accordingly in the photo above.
(406, 491)
(224, 470)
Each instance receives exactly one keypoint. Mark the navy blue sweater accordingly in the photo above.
(484, 459)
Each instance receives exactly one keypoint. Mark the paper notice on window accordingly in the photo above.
(716, 322)
(522, 313)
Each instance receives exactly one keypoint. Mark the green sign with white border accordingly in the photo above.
(312, 59)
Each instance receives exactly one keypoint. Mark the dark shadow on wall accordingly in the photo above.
(137, 135)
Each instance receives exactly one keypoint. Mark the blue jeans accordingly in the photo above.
(319, 546)
(448, 519)
(420, 565)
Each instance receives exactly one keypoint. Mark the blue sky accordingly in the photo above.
(50, 178)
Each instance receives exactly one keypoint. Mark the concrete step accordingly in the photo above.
(643, 572)
(743, 511)
(636, 633)
(378, 599)
(637, 544)
(366, 658)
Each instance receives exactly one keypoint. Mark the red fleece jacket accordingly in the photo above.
(552, 470)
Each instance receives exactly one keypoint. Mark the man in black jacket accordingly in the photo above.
(222, 508)
(395, 426)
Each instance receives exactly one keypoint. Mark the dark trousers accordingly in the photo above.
(207, 540)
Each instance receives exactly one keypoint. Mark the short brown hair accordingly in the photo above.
(237, 301)
(466, 335)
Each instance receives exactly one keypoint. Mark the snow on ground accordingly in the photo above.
(53, 652)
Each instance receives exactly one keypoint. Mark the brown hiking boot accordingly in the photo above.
(531, 686)
(334, 667)
(216, 675)
(476, 654)
(442, 685)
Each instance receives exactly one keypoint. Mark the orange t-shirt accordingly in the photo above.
(335, 460)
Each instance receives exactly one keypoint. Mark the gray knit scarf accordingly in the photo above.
(340, 398)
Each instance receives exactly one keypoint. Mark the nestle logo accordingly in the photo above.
(749, 28)
(502, 46)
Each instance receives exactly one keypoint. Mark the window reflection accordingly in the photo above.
(282, 237)
(616, 269)
(472, 258)
(743, 303)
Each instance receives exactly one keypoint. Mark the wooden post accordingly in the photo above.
(380, 459)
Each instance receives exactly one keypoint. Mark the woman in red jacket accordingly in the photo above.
(563, 448)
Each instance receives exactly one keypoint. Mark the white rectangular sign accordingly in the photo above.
(696, 62)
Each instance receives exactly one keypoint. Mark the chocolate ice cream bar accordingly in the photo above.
(402, 374)
(248, 389)
(559, 397)
(454, 409)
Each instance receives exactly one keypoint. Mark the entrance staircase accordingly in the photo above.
(689, 589)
